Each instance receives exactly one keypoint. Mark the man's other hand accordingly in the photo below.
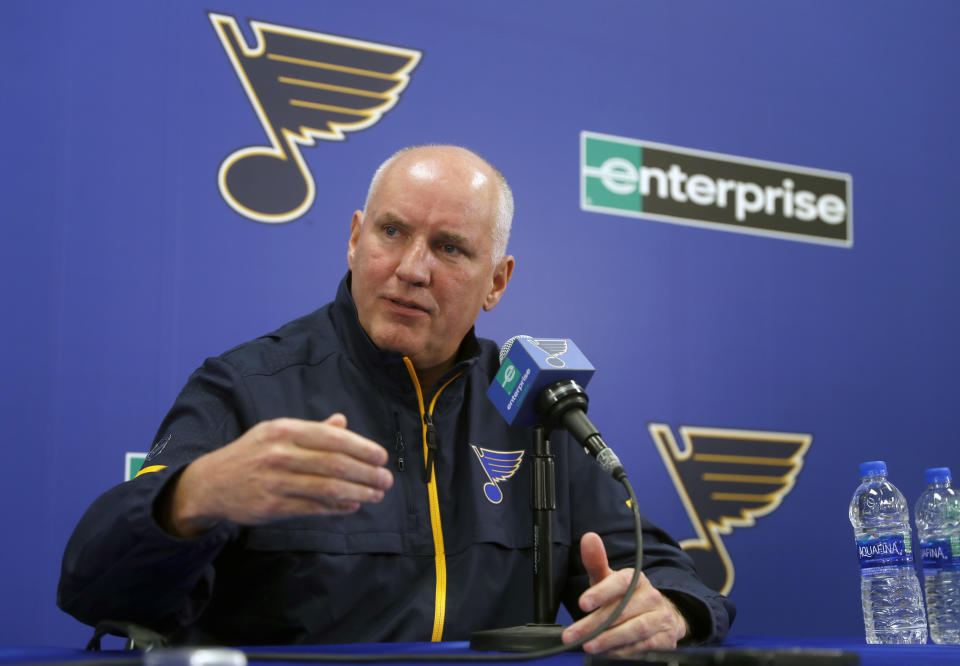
(650, 621)
(278, 469)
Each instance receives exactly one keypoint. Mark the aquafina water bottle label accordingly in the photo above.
(940, 555)
(888, 550)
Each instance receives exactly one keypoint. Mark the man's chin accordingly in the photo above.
(412, 344)
(399, 343)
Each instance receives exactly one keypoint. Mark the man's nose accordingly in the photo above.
(414, 266)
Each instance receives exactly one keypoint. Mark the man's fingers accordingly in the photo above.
(648, 631)
(302, 506)
(649, 621)
(330, 491)
(336, 420)
(287, 495)
(323, 436)
(312, 464)
(586, 625)
(594, 557)
(609, 590)
(602, 599)
(277, 469)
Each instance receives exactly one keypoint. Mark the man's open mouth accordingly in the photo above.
(408, 304)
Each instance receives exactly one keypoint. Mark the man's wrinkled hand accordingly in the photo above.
(278, 469)
(650, 621)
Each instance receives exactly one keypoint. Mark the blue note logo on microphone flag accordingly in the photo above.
(555, 348)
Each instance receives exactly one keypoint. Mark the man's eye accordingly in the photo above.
(390, 230)
(450, 249)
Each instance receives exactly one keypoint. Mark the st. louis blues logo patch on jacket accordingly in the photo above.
(498, 466)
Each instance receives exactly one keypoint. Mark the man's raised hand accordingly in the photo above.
(278, 469)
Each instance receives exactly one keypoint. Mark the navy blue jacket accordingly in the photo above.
(436, 559)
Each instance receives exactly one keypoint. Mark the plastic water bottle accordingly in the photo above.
(938, 526)
(892, 604)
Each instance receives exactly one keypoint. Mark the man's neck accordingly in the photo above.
(428, 378)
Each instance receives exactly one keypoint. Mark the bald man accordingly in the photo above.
(324, 483)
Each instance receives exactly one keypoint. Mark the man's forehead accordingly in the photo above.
(433, 162)
(472, 178)
(455, 179)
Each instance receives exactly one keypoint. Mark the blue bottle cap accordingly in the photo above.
(873, 468)
(938, 475)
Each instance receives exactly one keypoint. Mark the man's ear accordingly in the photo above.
(501, 277)
(355, 223)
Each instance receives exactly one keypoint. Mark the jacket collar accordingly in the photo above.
(388, 365)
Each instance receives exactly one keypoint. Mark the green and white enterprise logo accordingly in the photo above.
(132, 462)
(635, 178)
(508, 376)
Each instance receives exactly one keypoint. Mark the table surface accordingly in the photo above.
(868, 654)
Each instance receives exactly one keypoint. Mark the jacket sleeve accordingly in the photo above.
(599, 505)
(119, 564)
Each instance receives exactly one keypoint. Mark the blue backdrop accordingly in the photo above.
(124, 266)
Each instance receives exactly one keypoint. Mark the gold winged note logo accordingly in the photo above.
(727, 478)
(303, 86)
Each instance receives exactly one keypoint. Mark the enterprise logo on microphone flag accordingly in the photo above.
(508, 376)
(530, 365)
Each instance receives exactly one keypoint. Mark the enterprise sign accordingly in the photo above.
(634, 178)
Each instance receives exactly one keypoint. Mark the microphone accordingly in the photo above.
(541, 380)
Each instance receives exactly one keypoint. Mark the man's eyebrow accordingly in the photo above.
(441, 236)
(452, 237)
(392, 218)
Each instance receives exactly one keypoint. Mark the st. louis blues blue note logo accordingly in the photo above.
(304, 86)
(726, 479)
(554, 348)
(498, 466)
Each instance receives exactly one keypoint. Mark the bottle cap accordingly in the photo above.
(873, 468)
(194, 657)
(938, 474)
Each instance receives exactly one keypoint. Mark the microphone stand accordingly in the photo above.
(542, 632)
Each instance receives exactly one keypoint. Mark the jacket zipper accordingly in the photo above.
(430, 445)
(430, 439)
(398, 443)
